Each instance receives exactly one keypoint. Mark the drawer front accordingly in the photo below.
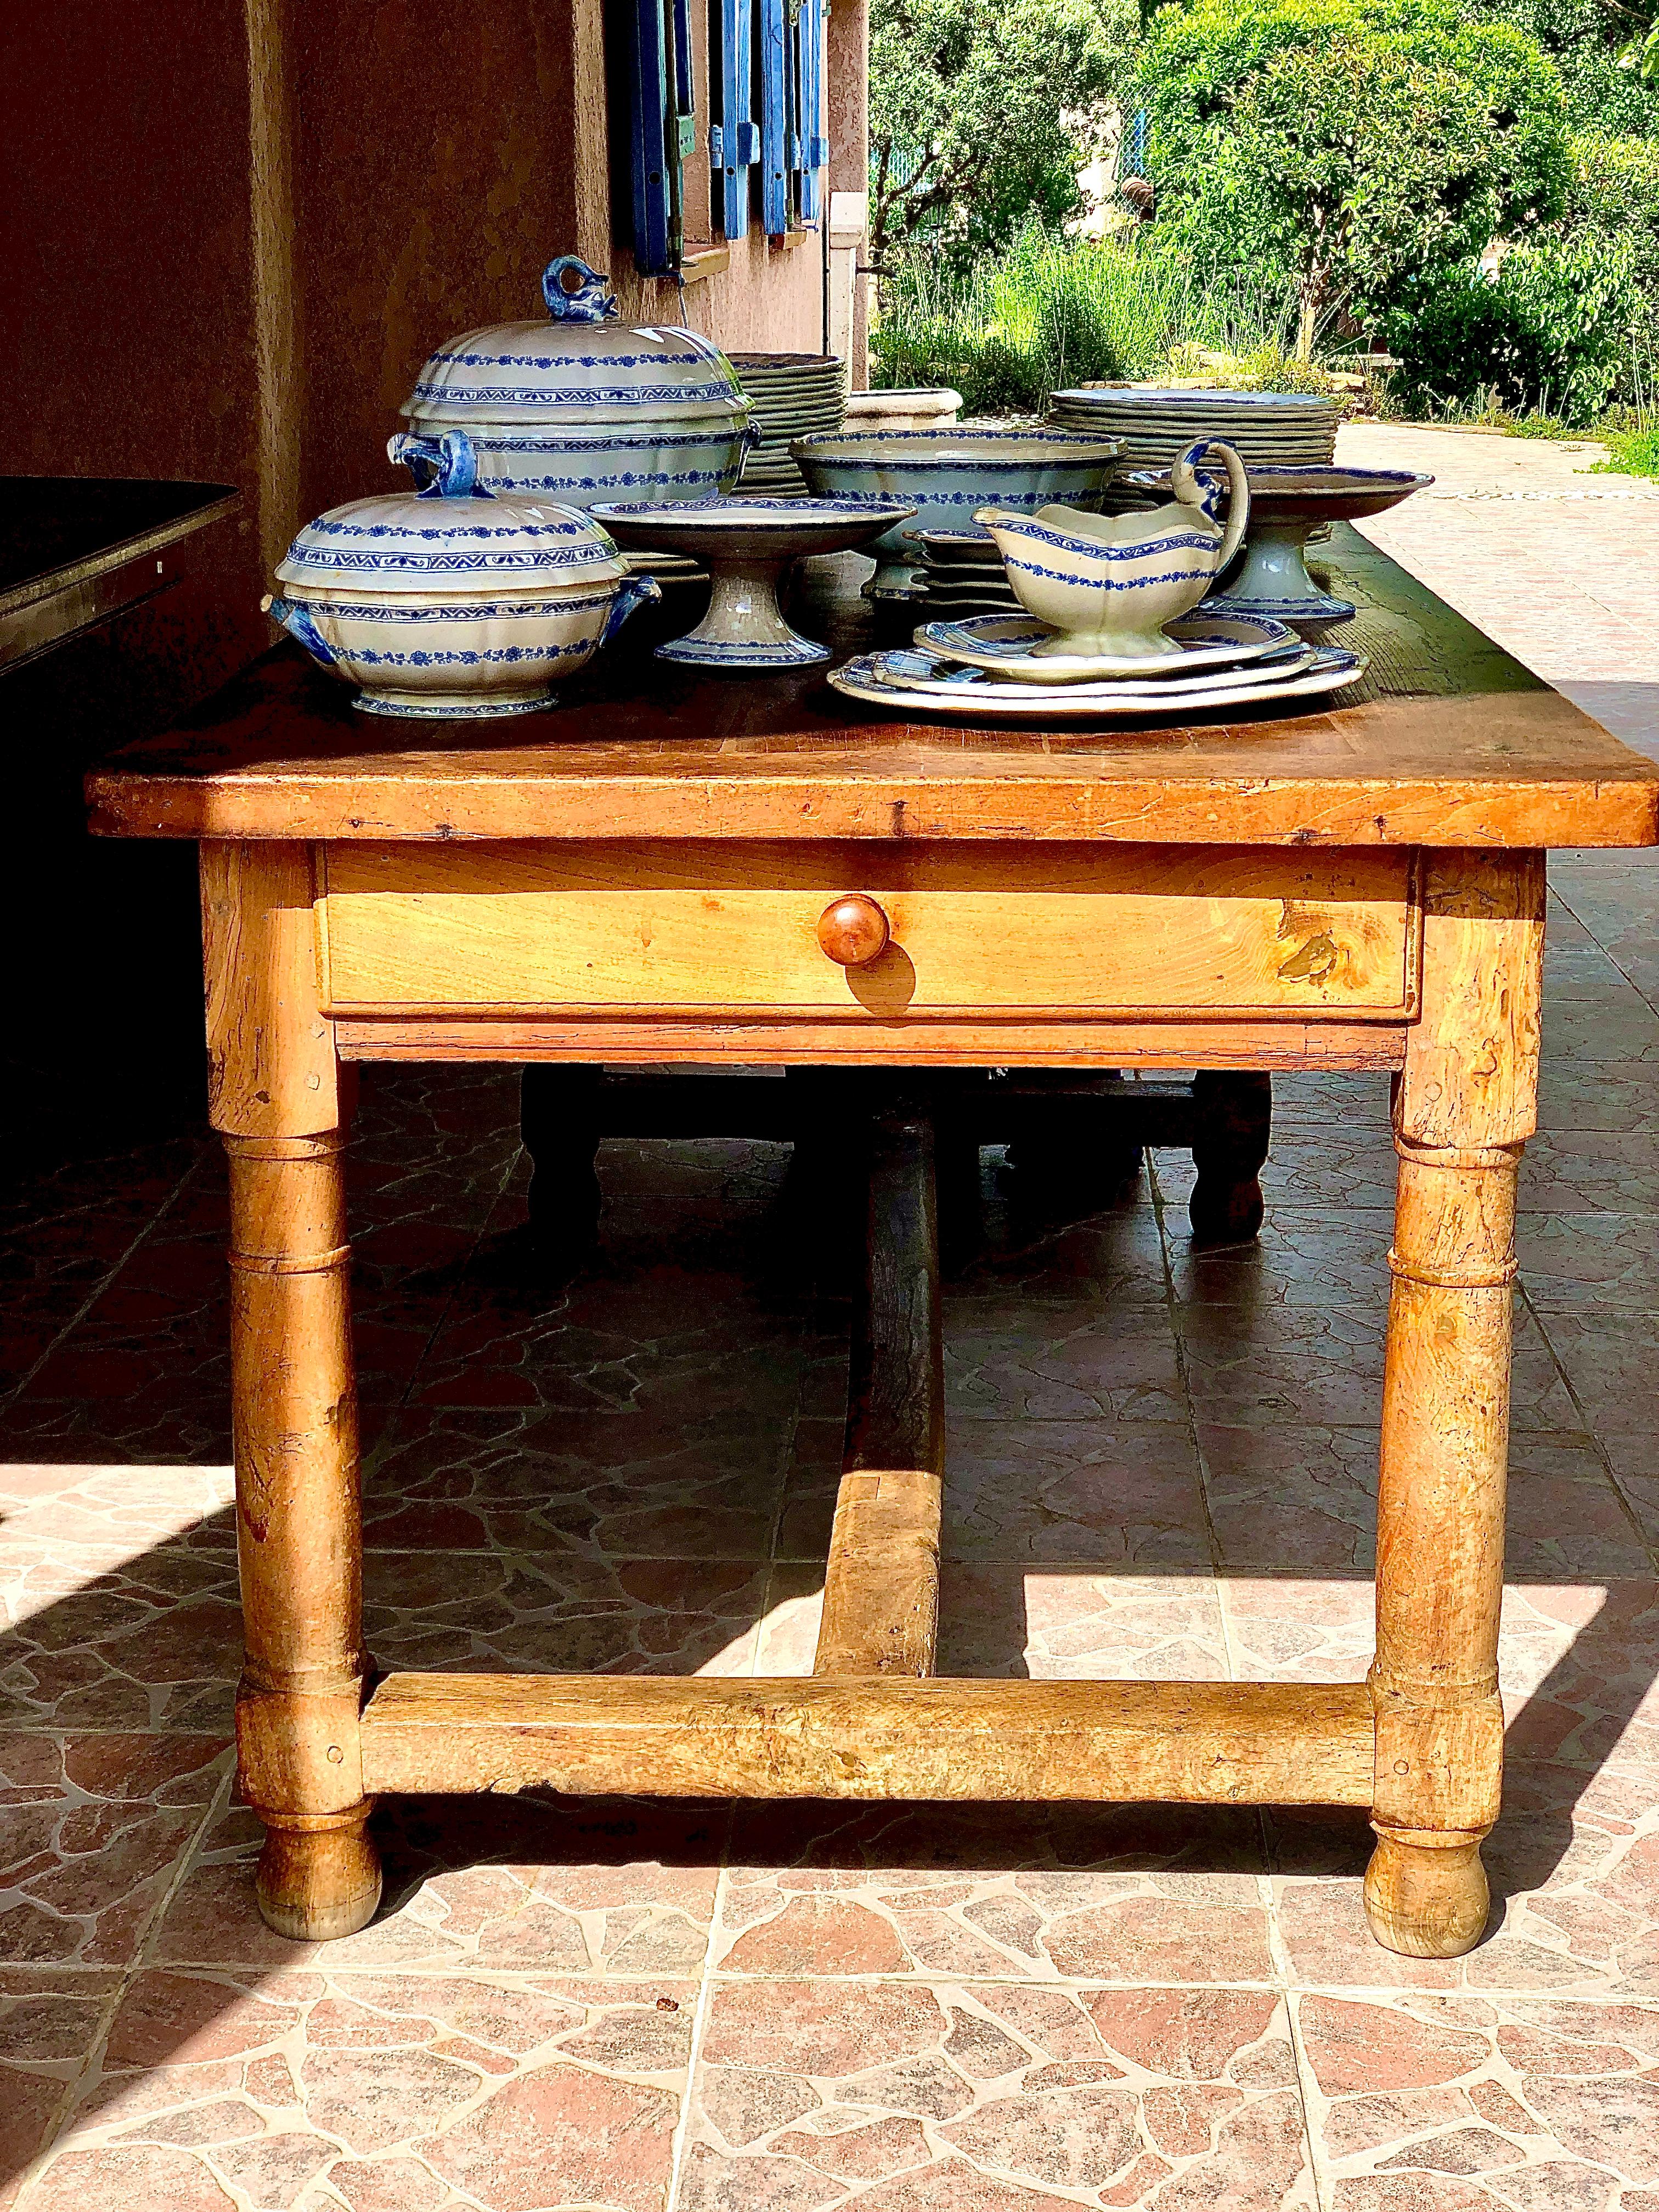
(1037, 932)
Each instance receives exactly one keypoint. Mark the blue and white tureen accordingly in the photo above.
(450, 603)
(583, 407)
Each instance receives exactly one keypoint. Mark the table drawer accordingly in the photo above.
(1037, 931)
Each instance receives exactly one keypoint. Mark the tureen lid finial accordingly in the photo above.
(576, 293)
(444, 467)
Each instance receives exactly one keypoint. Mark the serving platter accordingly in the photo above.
(912, 670)
(1005, 644)
(862, 679)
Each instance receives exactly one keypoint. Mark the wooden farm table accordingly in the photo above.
(658, 877)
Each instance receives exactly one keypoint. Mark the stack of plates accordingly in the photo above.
(666, 567)
(963, 572)
(1267, 429)
(793, 395)
(983, 667)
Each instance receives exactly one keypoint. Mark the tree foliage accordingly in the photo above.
(1369, 147)
(1606, 51)
(981, 112)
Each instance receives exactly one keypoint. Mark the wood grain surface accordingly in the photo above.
(1449, 742)
(1268, 1743)
(734, 929)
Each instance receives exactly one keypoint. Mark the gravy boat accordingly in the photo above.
(1108, 583)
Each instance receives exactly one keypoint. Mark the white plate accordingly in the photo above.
(1003, 644)
(1331, 671)
(909, 671)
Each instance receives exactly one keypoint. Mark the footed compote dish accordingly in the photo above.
(1286, 507)
(747, 544)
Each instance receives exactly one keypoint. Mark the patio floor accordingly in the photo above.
(1161, 1465)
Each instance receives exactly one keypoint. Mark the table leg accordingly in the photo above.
(275, 1098)
(1234, 1122)
(559, 1121)
(1463, 1106)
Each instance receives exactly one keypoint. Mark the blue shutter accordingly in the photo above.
(815, 147)
(662, 129)
(647, 86)
(775, 85)
(734, 143)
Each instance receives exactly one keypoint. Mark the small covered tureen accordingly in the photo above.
(585, 407)
(449, 602)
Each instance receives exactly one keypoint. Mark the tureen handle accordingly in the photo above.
(584, 299)
(444, 467)
(633, 592)
(297, 621)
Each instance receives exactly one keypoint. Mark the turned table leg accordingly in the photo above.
(275, 1098)
(1233, 1125)
(1463, 1106)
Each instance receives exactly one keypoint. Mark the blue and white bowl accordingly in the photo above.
(452, 603)
(946, 476)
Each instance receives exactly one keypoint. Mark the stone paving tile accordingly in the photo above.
(561, 1613)
(1046, 1624)
(1464, 2102)
(97, 1638)
(991, 2098)
(1571, 1171)
(600, 1484)
(1303, 1257)
(1048, 1365)
(93, 1827)
(1323, 1364)
(578, 1886)
(670, 1342)
(49, 2023)
(500, 2090)
(63, 1235)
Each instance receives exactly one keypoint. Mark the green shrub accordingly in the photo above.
(1549, 334)
(1631, 453)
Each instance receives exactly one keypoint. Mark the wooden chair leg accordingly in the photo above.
(1234, 1120)
(559, 1121)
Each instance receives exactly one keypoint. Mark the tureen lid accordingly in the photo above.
(583, 366)
(448, 536)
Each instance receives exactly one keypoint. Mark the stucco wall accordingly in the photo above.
(233, 229)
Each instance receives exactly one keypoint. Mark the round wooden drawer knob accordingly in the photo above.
(853, 931)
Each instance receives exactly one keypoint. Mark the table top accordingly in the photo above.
(1447, 742)
(56, 531)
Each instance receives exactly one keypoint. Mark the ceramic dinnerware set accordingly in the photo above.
(466, 599)
(1112, 629)
(962, 573)
(867, 488)
(944, 476)
(452, 603)
(568, 471)
(793, 395)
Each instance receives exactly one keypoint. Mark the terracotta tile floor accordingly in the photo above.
(1162, 1464)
